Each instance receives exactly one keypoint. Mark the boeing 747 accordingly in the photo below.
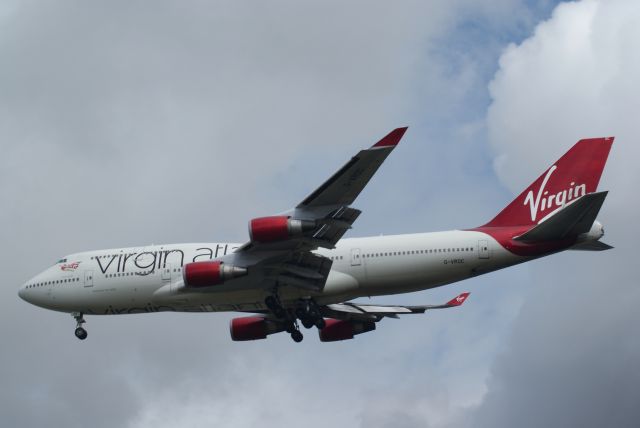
(295, 269)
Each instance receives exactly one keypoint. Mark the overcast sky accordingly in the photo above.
(130, 123)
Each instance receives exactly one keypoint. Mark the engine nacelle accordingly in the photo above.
(335, 330)
(205, 274)
(277, 228)
(253, 328)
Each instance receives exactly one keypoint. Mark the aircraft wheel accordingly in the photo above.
(81, 333)
(307, 323)
(297, 336)
(289, 327)
(320, 323)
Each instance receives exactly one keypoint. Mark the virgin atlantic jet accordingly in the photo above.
(295, 269)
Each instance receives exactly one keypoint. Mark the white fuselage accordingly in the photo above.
(149, 279)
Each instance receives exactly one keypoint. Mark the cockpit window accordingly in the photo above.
(62, 261)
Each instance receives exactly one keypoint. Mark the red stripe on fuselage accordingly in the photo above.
(504, 236)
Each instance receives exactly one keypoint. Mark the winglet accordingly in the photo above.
(392, 139)
(457, 301)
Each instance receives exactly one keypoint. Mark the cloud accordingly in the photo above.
(571, 357)
(127, 124)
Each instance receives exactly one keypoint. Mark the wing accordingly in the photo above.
(280, 249)
(342, 321)
(362, 312)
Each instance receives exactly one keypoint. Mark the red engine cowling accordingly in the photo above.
(277, 228)
(253, 328)
(205, 274)
(335, 330)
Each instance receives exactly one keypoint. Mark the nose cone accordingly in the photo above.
(28, 294)
(22, 292)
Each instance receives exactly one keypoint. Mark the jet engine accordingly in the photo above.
(278, 228)
(253, 328)
(335, 330)
(205, 274)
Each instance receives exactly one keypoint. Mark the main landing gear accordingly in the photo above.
(81, 333)
(290, 323)
(306, 310)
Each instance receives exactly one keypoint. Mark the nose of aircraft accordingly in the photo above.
(22, 292)
(28, 295)
(25, 295)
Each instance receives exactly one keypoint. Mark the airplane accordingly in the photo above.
(296, 269)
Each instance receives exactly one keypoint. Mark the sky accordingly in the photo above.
(129, 123)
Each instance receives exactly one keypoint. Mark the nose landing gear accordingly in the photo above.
(80, 332)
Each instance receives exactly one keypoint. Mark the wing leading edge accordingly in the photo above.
(345, 185)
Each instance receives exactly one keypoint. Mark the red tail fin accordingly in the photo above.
(573, 175)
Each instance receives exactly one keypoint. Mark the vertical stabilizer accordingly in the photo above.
(575, 174)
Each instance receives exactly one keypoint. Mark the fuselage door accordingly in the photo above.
(166, 272)
(356, 257)
(483, 249)
(88, 278)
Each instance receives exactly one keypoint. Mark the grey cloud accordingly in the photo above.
(571, 357)
(130, 123)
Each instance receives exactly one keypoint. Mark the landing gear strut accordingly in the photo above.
(309, 314)
(291, 325)
(274, 305)
(80, 332)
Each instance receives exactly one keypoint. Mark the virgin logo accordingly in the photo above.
(70, 266)
(460, 298)
(543, 200)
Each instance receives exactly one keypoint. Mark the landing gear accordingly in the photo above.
(307, 323)
(80, 332)
(274, 305)
(309, 314)
(306, 310)
(292, 328)
(297, 336)
(321, 323)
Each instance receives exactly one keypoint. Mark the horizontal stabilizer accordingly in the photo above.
(571, 220)
(592, 246)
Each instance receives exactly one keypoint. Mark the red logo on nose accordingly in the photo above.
(69, 266)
